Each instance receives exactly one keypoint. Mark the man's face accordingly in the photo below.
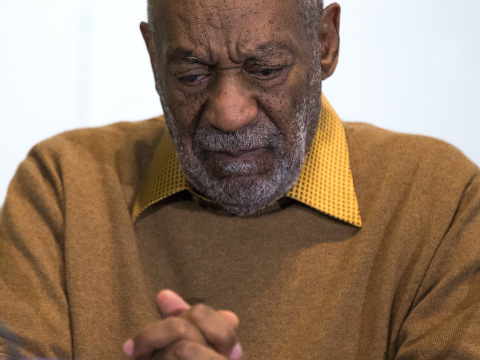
(240, 85)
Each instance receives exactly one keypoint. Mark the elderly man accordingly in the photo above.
(247, 203)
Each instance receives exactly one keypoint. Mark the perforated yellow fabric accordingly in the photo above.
(325, 184)
(164, 177)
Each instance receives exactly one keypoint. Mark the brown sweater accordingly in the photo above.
(77, 278)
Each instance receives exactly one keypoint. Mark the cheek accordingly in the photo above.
(184, 108)
(283, 103)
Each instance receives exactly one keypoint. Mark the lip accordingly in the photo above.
(239, 154)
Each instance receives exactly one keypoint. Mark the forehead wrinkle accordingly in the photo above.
(227, 42)
(186, 40)
(238, 54)
(269, 48)
(224, 15)
(215, 16)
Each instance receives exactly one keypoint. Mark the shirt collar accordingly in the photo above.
(325, 184)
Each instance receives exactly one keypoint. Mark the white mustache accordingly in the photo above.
(248, 137)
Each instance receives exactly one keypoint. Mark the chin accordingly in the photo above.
(245, 195)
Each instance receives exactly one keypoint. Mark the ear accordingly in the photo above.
(149, 41)
(329, 38)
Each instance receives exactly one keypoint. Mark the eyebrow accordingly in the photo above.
(181, 54)
(269, 48)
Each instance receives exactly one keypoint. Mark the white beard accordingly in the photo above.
(250, 194)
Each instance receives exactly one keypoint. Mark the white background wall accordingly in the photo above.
(76, 63)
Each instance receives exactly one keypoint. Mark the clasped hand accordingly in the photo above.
(187, 332)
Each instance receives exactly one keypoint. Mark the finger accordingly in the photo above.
(230, 316)
(162, 334)
(218, 328)
(188, 350)
(169, 303)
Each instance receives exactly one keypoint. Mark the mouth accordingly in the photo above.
(239, 162)
(239, 154)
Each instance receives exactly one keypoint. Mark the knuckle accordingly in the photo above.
(228, 336)
(200, 311)
(225, 335)
(178, 326)
(185, 349)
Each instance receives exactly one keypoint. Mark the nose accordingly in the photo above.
(231, 105)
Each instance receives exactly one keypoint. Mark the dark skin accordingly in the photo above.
(227, 66)
(187, 332)
(238, 93)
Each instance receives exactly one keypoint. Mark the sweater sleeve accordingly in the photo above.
(444, 319)
(33, 301)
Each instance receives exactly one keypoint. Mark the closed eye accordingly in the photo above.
(267, 73)
(190, 78)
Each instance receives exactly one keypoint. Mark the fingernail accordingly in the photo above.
(236, 353)
(128, 347)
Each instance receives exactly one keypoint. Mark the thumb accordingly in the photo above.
(169, 303)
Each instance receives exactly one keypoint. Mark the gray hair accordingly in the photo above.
(312, 9)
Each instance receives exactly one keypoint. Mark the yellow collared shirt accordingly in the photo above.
(325, 183)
